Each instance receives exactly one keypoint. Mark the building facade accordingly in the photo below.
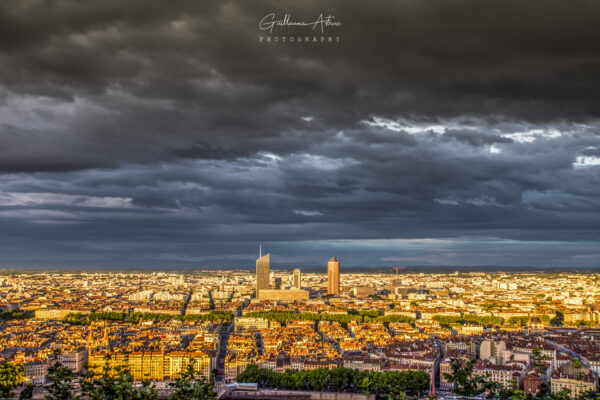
(532, 382)
(74, 359)
(574, 377)
(35, 372)
(154, 365)
(251, 323)
(297, 279)
(283, 295)
(333, 276)
(263, 270)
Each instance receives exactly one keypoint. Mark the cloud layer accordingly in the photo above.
(166, 134)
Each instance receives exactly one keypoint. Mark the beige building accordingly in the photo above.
(491, 350)
(363, 291)
(235, 367)
(575, 377)
(154, 365)
(35, 372)
(176, 362)
(146, 365)
(445, 368)
(263, 270)
(74, 359)
(283, 295)
(333, 276)
(250, 323)
(56, 313)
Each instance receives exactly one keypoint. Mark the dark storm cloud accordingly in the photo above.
(476, 138)
(130, 125)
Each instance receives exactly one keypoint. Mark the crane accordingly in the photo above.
(398, 268)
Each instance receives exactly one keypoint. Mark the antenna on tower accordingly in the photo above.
(260, 251)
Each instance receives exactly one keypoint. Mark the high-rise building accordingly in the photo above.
(297, 279)
(263, 273)
(333, 276)
(278, 282)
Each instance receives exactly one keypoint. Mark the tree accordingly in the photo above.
(589, 395)
(61, 385)
(115, 386)
(352, 315)
(11, 376)
(126, 390)
(26, 392)
(189, 386)
(514, 395)
(16, 314)
(365, 385)
(251, 374)
(339, 379)
(564, 394)
(537, 359)
(465, 384)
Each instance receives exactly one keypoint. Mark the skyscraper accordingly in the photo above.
(333, 276)
(263, 273)
(297, 279)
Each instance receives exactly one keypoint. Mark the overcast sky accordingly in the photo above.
(167, 134)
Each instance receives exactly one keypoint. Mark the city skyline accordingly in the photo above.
(424, 133)
(379, 325)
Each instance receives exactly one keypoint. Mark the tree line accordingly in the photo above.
(136, 317)
(390, 383)
(212, 316)
(364, 316)
(523, 320)
(16, 314)
(86, 319)
(480, 320)
(558, 320)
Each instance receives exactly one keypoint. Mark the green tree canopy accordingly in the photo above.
(340, 380)
(189, 386)
(352, 315)
(61, 383)
(11, 376)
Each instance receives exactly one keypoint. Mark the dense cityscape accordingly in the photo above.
(424, 176)
(530, 332)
